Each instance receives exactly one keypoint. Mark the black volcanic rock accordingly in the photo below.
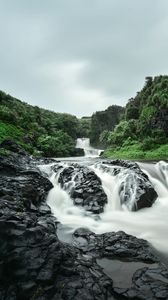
(130, 262)
(34, 264)
(84, 187)
(135, 191)
(113, 244)
(21, 182)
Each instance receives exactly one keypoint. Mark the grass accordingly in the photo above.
(135, 152)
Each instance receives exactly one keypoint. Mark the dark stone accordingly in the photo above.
(136, 191)
(34, 264)
(113, 244)
(84, 187)
(130, 262)
(78, 152)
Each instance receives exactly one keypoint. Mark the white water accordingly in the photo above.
(149, 223)
(84, 143)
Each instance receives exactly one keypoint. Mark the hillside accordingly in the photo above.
(138, 131)
(143, 130)
(39, 131)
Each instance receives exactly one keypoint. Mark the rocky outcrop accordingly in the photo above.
(113, 244)
(130, 262)
(34, 264)
(84, 187)
(135, 189)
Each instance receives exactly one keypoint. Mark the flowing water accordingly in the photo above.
(148, 223)
(84, 143)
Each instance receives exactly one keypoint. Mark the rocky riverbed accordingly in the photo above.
(36, 265)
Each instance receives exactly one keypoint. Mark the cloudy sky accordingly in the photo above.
(80, 56)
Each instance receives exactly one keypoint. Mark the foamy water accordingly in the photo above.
(89, 151)
(148, 223)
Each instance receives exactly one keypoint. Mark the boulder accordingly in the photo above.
(135, 189)
(84, 187)
(113, 244)
(22, 182)
(130, 262)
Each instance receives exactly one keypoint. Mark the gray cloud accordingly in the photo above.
(81, 56)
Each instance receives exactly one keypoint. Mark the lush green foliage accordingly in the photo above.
(84, 127)
(60, 144)
(136, 152)
(37, 129)
(145, 121)
(136, 131)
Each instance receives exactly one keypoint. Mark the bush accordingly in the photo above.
(8, 131)
(148, 143)
(61, 144)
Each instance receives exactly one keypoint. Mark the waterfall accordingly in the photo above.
(84, 143)
(148, 223)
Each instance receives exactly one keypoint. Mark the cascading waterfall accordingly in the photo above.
(84, 143)
(148, 223)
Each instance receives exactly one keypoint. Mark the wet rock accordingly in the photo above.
(34, 264)
(113, 244)
(84, 187)
(135, 271)
(151, 283)
(27, 188)
(135, 191)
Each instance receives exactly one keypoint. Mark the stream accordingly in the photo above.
(148, 223)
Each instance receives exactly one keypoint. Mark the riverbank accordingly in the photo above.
(135, 152)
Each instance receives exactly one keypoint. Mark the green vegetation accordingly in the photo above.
(103, 121)
(38, 130)
(84, 127)
(138, 131)
(61, 144)
(143, 131)
(4, 152)
(135, 151)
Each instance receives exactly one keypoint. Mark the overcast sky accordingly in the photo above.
(80, 56)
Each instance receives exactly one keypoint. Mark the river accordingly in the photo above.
(148, 223)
